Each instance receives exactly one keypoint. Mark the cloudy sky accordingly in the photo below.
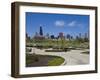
(56, 23)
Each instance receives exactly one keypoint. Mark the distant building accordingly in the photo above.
(47, 36)
(61, 35)
(69, 37)
(41, 31)
(52, 37)
(39, 36)
(27, 37)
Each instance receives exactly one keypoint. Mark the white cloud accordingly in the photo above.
(73, 23)
(60, 23)
(80, 25)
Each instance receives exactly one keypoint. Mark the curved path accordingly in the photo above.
(73, 57)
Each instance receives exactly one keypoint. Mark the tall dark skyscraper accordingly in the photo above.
(41, 31)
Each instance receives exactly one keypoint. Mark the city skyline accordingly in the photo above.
(53, 24)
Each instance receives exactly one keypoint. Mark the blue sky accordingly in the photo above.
(56, 23)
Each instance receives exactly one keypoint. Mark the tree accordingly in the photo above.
(80, 35)
(27, 37)
(77, 37)
(86, 38)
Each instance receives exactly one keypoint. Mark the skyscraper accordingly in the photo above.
(61, 35)
(39, 35)
(41, 31)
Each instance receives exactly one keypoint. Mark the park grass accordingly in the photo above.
(56, 61)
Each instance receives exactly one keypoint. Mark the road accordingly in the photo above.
(73, 57)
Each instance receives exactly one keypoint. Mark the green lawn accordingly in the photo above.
(56, 61)
(43, 60)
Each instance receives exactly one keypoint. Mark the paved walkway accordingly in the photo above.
(73, 57)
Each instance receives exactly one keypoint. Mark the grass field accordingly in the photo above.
(43, 60)
(56, 61)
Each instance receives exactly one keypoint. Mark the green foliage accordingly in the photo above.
(58, 43)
